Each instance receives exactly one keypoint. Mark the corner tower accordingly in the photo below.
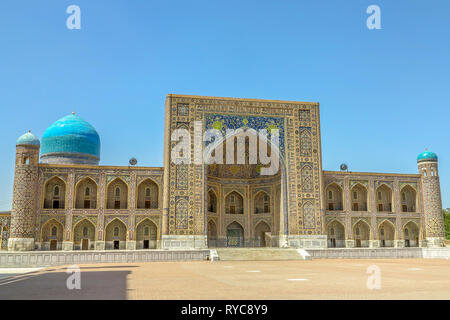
(25, 194)
(432, 202)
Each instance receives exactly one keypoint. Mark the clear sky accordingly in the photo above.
(384, 94)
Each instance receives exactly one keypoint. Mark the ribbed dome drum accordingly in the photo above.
(70, 140)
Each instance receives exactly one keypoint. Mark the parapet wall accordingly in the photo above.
(53, 258)
(381, 253)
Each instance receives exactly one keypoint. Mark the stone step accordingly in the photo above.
(258, 254)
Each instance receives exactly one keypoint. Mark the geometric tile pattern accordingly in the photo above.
(25, 193)
(181, 212)
(306, 144)
(5, 222)
(308, 215)
(223, 122)
(299, 133)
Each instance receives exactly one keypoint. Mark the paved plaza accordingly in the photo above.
(280, 280)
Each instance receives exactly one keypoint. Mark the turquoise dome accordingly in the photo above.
(70, 140)
(427, 156)
(28, 139)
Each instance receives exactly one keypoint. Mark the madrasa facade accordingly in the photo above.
(64, 200)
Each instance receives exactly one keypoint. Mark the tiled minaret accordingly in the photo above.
(23, 214)
(432, 202)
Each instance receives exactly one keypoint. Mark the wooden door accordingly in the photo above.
(85, 244)
(53, 244)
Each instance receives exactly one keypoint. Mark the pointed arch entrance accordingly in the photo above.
(86, 194)
(116, 235)
(359, 197)
(384, 198)
(212, 201)
(148, 195)
(386, 234)
(54, 194)
(212, 234)
(262, 235)
(117, 195)
(84, 235)
(235, 235)
(411, 234)
(247, 192)
(334, 194)
(52, 235)
(146, 235)
(408, 199)
(336, 235)
(361, 234)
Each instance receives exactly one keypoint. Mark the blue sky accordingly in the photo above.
(384, 94)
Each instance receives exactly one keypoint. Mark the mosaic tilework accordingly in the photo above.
(223, 122)
(306, 144)
(304, 115)
(221, 114)
(182, 177)
(183, 109)
(4, 231)
(24, 194)
(308, 215)
(181, 213)
(307, 179)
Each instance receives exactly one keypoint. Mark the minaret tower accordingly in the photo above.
(23, 214)
(432, 202)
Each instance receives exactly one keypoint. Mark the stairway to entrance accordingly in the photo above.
(258, 254)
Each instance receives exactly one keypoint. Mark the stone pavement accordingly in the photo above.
(280, 280)
(10, 272)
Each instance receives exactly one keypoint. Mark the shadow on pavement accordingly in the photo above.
(109, 285)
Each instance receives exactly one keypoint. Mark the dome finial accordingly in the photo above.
(73, 112)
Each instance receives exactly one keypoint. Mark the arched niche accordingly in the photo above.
(86, 194)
